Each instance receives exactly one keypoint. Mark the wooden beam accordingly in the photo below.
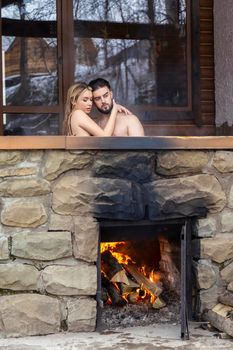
(89, 29)
(36, 29)
(31, 142)
(116, 143)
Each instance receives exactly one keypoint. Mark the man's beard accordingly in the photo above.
(106, 111)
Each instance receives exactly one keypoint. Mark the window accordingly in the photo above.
(142, 47)
(30, 88)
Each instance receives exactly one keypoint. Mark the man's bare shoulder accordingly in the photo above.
(127, 117)
(132, 122)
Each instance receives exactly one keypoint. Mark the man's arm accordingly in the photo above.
(135, 127)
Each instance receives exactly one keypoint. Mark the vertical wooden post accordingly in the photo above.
(68, 52)
(1, 80)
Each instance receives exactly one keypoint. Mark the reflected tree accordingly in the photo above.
(37, 56)
(132, 64)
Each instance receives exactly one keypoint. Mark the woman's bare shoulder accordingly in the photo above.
(79, 112)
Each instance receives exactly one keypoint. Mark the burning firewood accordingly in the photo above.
(153, 288)
(113, 291)
(158, 303)
(132, 297)
(111, 267)
(130, 287)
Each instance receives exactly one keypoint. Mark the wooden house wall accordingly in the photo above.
(41, 58)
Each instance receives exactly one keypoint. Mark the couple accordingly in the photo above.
(114, 120)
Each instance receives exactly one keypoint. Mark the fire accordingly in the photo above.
(122, 258)
(131, 282)
(154, 276)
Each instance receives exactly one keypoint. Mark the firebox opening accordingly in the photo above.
(139, 273)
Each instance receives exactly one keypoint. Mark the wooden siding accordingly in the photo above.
(207, 96)
(41, 58)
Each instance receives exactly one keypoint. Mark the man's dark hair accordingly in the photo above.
(99, 83)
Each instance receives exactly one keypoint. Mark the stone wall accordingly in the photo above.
(50, 203)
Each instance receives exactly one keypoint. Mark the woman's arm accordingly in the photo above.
(82, 120)
(122, 109)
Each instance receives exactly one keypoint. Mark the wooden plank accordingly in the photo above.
(206, 3)
(206, 49)
(42, 29)
(86, 29)
(206, 37)
(68, 50)
(207, 84)
(207, 72)
(115, 30)
(159, 142)
(207, 60)
(114, 143)
(207, 95)
(206, 13)
(208, 118)
(207, 107)
(206, 25)
(32, 142)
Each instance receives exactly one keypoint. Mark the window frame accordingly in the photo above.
(175, 118)
(42, 109)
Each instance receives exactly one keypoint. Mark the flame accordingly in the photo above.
(122, 258)
(154, 276)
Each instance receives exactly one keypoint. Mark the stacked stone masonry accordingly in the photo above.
(50, 205)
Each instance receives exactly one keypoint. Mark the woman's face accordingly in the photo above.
(84, 101)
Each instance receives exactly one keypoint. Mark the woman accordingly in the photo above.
(77, 121)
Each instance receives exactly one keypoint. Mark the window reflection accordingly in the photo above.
(31, 124)
(29, 47)
(139, 46)
(137, 11)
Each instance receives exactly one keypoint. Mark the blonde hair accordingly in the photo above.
(73, 94)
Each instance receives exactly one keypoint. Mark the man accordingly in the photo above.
(126, 124)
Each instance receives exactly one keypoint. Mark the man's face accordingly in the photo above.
(103, 99)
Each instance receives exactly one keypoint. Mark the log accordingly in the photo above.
(120, 277)
(113, 292)
(112, 268)
(152, 287)
(132, 297)
(158, 303)
(130, 287)
(219, 318)
(104, 295)
(226, 298)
